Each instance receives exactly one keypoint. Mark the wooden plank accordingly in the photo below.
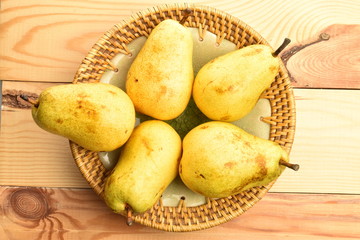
(326, 143)
(30, 155)
(327, 60)
(47, 213)
(46, 40)
(327, 136)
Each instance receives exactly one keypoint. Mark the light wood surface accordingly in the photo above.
(337, 48)
(50, 38)
(330, 113)
(70, 211)
(42, 43)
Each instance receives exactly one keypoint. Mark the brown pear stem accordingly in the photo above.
(129, 219)
(187, 13)
(282, 47)
(33, 102)
(294, 167)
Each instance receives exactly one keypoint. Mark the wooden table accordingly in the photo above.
(44, 196)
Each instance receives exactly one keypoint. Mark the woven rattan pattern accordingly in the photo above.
(224, 26)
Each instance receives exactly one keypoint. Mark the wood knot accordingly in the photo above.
(324, 36)
(29, 204)
(11, 98)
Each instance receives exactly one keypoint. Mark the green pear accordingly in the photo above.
(159, 81)
(220, 159)
(148, 163)
(228, 87)
(96, 116)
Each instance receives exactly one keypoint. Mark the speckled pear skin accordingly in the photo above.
(96, 116)
(148, 163)
(220, 159)
(159, 81)
(228, 87)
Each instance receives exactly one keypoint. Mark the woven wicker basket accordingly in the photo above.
(224, 26)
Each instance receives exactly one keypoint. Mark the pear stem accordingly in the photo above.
(35, 103)
(129, 219)
(282, 47)
(294, 167)
(187, 13)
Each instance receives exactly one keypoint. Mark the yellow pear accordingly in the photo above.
(159, 81)
(220, 159)
(97, 116)
(147, 164)
(228, 87)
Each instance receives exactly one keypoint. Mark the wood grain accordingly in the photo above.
(58, 213)
(42, 44)
(328, 60)
(326, 143)
(327, 136)
(46, 40)
(30, 155)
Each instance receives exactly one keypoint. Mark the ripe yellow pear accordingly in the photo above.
(159, 81)
(97, 116)
(228, 87)
(148, 163)
(220, 159)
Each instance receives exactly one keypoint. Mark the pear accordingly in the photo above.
(220, 159)
(148, 163)
(96, 116)
(228, 87)
(159, 81)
